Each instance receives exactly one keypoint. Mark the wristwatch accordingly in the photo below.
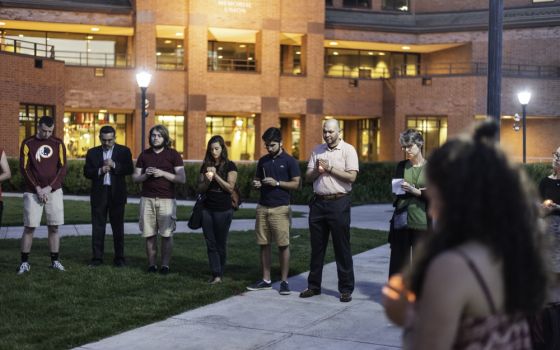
(277, 183)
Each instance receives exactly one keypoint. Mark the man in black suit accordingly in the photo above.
(107, 167)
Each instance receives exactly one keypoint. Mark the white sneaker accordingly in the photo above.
(23, 268)
(57, 265)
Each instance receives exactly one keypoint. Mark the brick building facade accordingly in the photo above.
(239, 67)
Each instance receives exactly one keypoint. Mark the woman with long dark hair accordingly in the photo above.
(480, 273)
(218, 176)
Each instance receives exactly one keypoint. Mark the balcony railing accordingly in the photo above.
(226, 64)
(93, 59)
(26, 48)
(170, 62)
(477, 68)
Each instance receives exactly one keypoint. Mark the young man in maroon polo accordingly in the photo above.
(158, 168)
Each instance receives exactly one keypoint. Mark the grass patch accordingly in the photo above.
(79, 212)
(53, 310)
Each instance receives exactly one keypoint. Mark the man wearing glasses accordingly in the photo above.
(107, 167)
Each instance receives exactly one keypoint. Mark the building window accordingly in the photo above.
(238, 133)
(291, 135)
(290, 60)
(433, 129)
(81, 130)
(175, 126)
(368, 140)
(328, 2)
(75, 48)
(228, 56)
(169, 54)
(369, 64)
(357, 3)
(29, 116)
(396, 5)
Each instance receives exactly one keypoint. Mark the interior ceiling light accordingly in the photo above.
(167, 41)
(370, 53)
(406, 47)
(242, 45)
(2, 23)
(89, 37)
(21, 35)
(94, 29)
(333, 43)
(381, 54)
(335, 53)
(250, 58)
(179, 46)
(178, 34)
(298, 52)
(220, 48)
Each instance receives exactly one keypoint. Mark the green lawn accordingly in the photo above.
(78, 212)
(47, 309)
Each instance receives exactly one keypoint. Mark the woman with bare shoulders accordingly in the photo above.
(480, 273)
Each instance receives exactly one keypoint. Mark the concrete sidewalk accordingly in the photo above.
(267, 320)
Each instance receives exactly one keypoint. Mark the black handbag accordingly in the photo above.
(400, 218)
(195, 221)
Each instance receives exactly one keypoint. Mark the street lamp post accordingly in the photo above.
(143, 80)
(524, 97)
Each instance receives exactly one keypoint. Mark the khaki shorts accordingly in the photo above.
(157, 215)
(33, 209)
(273, 223)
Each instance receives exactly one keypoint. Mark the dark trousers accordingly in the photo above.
(99, 212)
(402, 243)
(331, 218)
(215, 226)
(1, 211)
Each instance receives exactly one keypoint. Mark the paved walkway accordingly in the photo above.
(265, 319)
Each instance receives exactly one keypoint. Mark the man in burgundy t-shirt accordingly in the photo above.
(43, 166)
(158, 168)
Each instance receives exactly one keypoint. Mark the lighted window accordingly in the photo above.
(238, 133)
(396, 5)
(228, 56)
(433, 129)
(290, 58)
(74, 48)
(368, 139)
(170, 54)
(29, 116)
(357, 3)
(175, 126)
(81, 130)
(362, 64)
(291, 135)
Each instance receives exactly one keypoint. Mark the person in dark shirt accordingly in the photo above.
(277, 174)
(158, 168)
(217, 179)
(43, 166)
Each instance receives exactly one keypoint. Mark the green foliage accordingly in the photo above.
(371, 186)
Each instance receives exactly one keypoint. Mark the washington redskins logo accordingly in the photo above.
(44, 151)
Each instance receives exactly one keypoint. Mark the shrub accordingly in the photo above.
(373, 184)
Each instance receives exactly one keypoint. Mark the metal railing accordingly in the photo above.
(93, 59)
(227, 64)
(477, 68)
(337, 70)
(170, 62)
(26, 47)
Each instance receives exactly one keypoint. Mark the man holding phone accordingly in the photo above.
(277, 174)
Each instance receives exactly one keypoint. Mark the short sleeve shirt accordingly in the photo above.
(216, 198)
(166, 160)
(342, 157)
(282, 168)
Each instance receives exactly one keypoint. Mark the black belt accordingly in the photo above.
(331, 197)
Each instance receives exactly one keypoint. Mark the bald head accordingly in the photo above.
(331, 132)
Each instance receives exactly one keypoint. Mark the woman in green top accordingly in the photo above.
(413, 223)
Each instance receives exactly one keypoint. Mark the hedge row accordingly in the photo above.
(372, 185)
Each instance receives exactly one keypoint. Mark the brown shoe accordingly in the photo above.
(308, 293)
(345, 297)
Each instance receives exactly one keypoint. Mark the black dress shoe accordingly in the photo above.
(345, 297)
(95, 263)
(119, 263)
(152, 269)
(308, 293)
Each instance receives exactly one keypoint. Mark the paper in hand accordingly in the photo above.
(396, 186)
